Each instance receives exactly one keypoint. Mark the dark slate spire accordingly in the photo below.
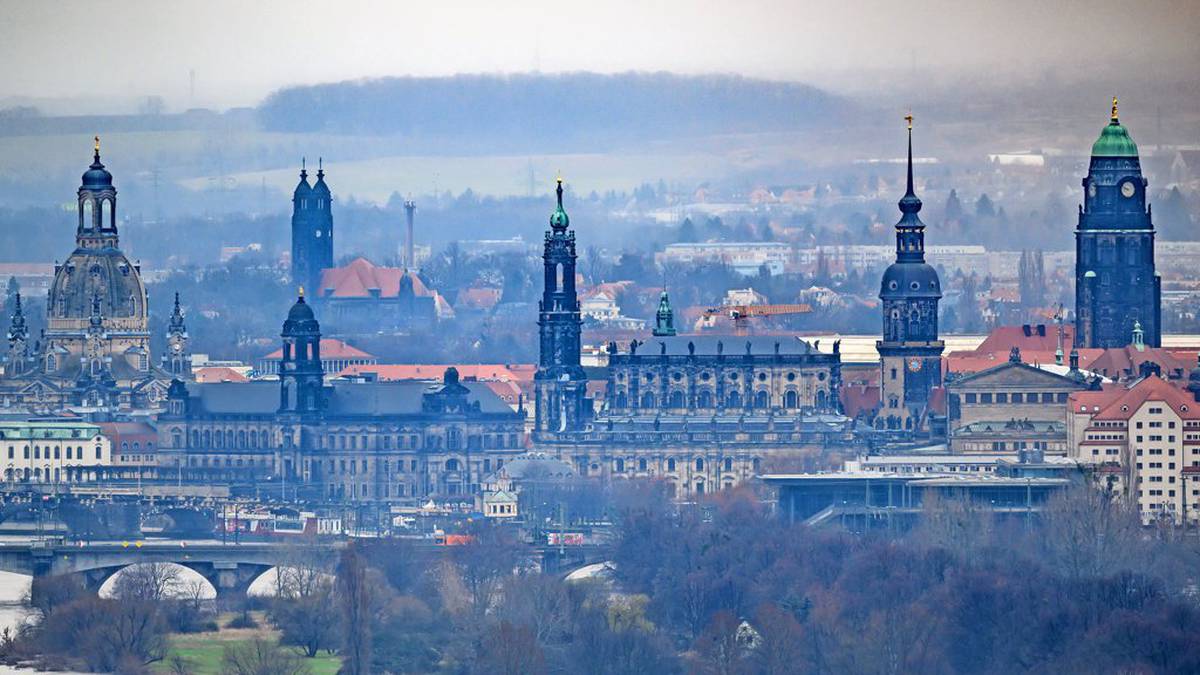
(664, 319)
(910, 231)
(320, 186)
(303, 185)
(17, 329)
(176, 325)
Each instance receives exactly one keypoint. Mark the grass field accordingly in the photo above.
(204, 651)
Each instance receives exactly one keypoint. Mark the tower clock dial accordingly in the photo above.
(914, 365)
(1127, 189)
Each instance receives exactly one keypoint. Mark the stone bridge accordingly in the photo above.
(230, 568)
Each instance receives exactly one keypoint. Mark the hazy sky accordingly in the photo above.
(242, 50)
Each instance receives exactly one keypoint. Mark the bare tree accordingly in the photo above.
(261, 658)
(148, 581)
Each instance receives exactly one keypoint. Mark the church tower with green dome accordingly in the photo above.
(1116, 286)
(560, 384)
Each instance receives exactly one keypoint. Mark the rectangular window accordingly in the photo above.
(1001, 398)
(970, 398)
(985, 398)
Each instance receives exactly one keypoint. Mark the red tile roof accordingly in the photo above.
(219, 374)
(1041, 338)
(1152, 388)
(1127, 361)
(331, 348)
(514, 372)
(363, 279)
(859, 398)
(478, 298)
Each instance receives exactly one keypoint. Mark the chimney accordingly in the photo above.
(1041, 330)
(409, 260)
(1027, 330)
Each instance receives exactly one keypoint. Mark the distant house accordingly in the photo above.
(364, 296)
(336, 356)
(500, 504)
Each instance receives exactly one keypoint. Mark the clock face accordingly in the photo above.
(914, 364)
(1092, 190)
(318, 234)
(1127, 189)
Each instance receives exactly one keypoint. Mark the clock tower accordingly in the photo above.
(1116, 286)
(910, 351)
(312, 230)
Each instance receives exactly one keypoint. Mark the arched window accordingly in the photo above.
(821, 399)
(734, 400)
(195, 438)
(677, 399)
(671, 464)
(699, 464)
(647, 400)
(760, 399)
(729, 464)
(789, 399)
(558, 277)
(176, 438)
(642, 464)
(86, 217)
(452, 465)
(453, 438)
(266, 440)
(622, 400)
(51, 363)
(207, 438)
(620, 465)
(241, 439)
(704, 400)
(107, 218)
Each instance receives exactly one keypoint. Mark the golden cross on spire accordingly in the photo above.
(908, 118)
(97, 139)
(1114, 111)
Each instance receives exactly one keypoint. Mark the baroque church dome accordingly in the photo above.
(97, 275)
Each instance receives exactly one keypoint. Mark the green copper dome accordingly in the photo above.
(559, 220)
(1114, 141)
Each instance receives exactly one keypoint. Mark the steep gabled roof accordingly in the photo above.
(363, 279)
(1152, 388)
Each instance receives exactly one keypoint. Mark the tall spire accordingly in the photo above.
(17, 328)
(910, 203)
(320, 168)
(304, 169)
(176, 324)
(664, 319)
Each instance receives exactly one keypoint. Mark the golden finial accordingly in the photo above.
(301, 290)
(97, 139)
(908, 118)
(1114, 114)
(558, 173)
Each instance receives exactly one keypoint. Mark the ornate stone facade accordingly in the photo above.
(95, 351)
(681, 408)
(344, 441)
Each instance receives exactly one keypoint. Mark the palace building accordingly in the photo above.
(702, 412)
(343, 441)
(95, 351)
(1116, 287)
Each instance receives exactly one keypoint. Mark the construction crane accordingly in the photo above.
(741, 314)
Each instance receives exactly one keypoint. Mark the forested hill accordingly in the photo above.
(551, 109)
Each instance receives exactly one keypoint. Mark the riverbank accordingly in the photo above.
(203, 653)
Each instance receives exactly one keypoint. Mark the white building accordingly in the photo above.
(52, 452)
